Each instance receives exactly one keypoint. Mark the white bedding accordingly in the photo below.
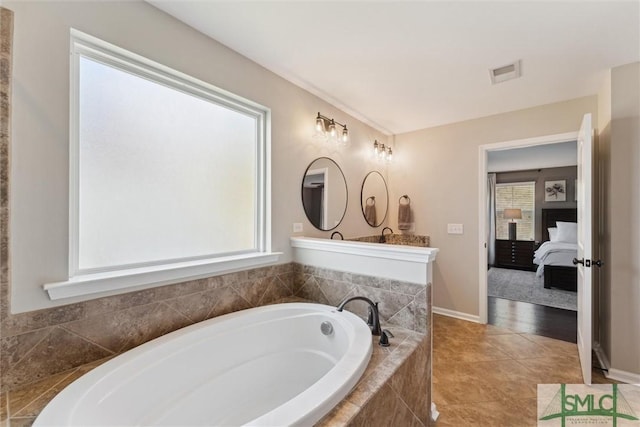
(554, 253)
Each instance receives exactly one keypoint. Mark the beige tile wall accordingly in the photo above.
(404, 400)
(401, 303)
(6, 43)
(38, 344)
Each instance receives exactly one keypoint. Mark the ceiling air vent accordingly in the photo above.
(504, 73)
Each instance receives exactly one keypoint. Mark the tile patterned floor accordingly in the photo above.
(484, 375)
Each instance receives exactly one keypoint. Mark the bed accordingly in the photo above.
(555, 259)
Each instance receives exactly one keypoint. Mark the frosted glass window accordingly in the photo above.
(163, 174)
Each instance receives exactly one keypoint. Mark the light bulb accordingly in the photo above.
(345, 134)
(389, 155)
(376, 148)
(332, 129)
(383, 152)
(320, 132)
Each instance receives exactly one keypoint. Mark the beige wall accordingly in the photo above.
(438, 169)
(623, 227)
(39, 157)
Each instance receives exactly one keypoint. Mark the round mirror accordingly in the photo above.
(374, 199)
(324, 194)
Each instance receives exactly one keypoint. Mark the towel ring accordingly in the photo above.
(373, 200)
(404, 197)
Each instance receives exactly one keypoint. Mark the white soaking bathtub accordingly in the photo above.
(266, 366)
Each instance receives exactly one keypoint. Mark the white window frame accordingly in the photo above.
(121, 278)
(533, 214)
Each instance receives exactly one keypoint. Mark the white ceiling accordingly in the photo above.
(402, 66)
(535, 157)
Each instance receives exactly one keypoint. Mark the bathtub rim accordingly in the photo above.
(61, 408)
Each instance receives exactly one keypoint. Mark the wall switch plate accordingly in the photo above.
(455, 229)
(297, 227)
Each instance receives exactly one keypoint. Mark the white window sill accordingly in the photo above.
(145, 277)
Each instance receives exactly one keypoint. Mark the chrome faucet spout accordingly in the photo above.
(373, 312)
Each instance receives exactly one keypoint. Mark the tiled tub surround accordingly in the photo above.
(394, 389)
(265, 366)
(42, 351)
(402, 303)
(396, 239)
(38, 344)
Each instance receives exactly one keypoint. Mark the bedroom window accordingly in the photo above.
(168, 174)
(516, 195)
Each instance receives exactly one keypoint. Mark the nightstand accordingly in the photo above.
(515, 254)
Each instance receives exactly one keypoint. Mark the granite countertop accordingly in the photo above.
(397, 239)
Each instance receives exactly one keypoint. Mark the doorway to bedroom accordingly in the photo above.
(531, 224)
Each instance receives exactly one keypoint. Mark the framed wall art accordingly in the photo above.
(555, 191)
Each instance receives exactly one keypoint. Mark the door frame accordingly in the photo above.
(483, 151)
(325, 193)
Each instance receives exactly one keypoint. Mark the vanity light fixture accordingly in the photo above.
(326, 129)
(380, 151)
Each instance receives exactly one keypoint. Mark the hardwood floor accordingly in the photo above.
(533, 319)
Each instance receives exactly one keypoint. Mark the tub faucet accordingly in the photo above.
(382, 238)
(374, 316)
(338, 233)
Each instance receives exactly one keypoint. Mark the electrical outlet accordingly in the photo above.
(297, 227)
(455, 229)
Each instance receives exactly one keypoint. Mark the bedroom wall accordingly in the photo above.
(622, 229)
(39, 152)
(438, 169)
(568, 173)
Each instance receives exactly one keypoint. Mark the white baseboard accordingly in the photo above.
(624, 376)
(612, 373)
(456, 314)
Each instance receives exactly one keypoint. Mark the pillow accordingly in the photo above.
(553, 234)
(567, 232)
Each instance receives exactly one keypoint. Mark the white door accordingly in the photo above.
(584, 260)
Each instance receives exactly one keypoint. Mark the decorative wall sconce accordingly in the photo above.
(326, 130)
(381, 152)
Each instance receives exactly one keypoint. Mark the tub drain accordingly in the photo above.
(326, 328)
